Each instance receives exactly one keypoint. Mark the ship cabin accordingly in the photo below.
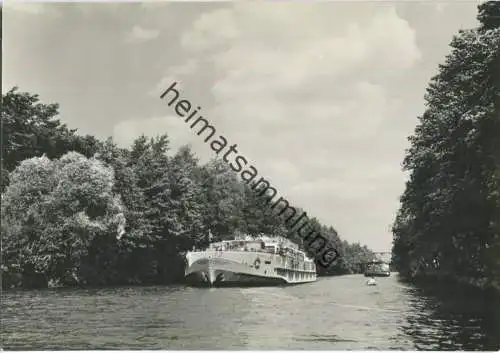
(275, 246)
(285, 255)
(237, 245)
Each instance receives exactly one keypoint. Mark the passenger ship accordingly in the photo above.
(377, 269)
(248, 260)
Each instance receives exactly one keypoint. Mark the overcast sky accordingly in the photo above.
(320, 97)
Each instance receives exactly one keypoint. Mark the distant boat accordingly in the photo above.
(261, 260)
(371, 282)
(377, 269)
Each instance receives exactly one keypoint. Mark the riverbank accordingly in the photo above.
(437, 284)
(448, 226)
(81, 210)
(10, 282)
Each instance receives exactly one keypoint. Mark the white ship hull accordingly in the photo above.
(237, 268)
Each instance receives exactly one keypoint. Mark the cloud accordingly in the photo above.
(320, 97)
(300, 94)
(34, 9)
(141, 35)
(440, 7)
(176, 73)
(28, 8)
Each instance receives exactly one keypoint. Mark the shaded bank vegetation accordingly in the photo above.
(448, 226)
(80, 211)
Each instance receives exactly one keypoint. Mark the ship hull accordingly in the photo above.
(231, 279)
(236, 269)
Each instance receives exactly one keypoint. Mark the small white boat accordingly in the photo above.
(371, 282)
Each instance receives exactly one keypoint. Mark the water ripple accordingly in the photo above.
(337, 313)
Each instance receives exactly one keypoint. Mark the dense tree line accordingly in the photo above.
(448, 226)
(80, 211)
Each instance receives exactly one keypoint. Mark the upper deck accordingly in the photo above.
(262, 244)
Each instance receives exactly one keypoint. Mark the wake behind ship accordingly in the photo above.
(250, 261)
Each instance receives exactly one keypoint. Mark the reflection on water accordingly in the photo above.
(453, 320)
(334, 313)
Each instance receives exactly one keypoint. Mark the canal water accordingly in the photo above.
(336, 313)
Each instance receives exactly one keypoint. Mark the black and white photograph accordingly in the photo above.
(250, 175)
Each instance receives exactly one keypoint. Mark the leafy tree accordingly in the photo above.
(257, 216)
(77, 210)
(224, 197)
(129, 260)
(30, 129)
(448, 222)
(185, 202)
(52, 212)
